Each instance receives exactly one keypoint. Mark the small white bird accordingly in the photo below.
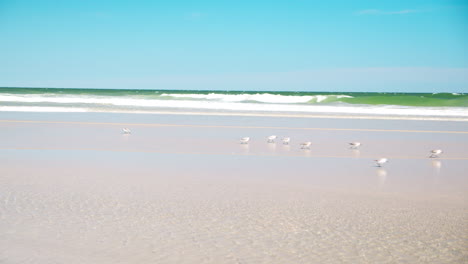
(354, 145)
(245, 140)
(286, 140)
(435, 153)
(381, 161)
(271, 139)
(126, 131)
(306, 145)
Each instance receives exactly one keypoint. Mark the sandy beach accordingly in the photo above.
(181, 189)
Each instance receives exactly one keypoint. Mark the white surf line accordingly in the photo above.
(231, 127)
(367, 117)
(233, 154)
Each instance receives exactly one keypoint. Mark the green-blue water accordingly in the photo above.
(440, 105)
(402, 99)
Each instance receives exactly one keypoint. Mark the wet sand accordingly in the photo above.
(181, 189)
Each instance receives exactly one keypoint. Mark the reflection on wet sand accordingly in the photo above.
(436, 165)
(307, 152)
(245, 148)
(125, 136)
(271, 147)
(356, 153)
(382, 176)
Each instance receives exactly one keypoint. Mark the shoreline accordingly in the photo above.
(39, 109)
(232, 127)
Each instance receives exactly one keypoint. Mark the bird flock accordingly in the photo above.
(352, 145)
(435, 153)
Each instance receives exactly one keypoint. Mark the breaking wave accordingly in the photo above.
(375, 104)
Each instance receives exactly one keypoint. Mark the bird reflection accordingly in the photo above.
(307, 152)
(271, 147)
(245, 148)
(356, 153)
(125, 136)
(382, 176)
(436, 164)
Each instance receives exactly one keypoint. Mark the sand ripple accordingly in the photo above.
(202, 222)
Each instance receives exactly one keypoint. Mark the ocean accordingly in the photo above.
(439, 106)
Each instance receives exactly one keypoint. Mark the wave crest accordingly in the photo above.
(259, 97)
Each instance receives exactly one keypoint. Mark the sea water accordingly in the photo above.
(345, 104)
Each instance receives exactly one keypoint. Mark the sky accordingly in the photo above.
(294, 45)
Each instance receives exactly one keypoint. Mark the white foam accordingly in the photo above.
(56, 99)
(263, 98)
(41, 109)
(136, 104)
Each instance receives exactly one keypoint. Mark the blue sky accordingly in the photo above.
(405, 46)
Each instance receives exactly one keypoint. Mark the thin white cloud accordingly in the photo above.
(382, 12)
